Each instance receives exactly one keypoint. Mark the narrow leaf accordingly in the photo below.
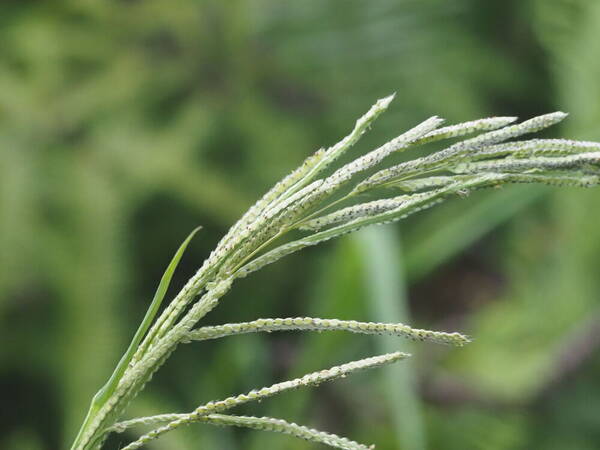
(159, 295)
(108, 389)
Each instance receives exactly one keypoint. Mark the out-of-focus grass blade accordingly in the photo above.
(450, 238)
(384, 279)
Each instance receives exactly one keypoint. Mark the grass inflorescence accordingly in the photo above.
(323, 204)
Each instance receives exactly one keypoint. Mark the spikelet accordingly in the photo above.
(281, 426)
(465, 183)
(422, 184)
(345, 173)
(362, 124)
(315, 324)
(521, 165)
(583, 181)
(271, 196)
(353, 212)
(294, 183)
(121, 427)
(459, 150)
(286, 203)
(360, 127)
(418, 202)
(529, 126)
(499, 178)
(374, 157)
(237, 238)
(311, 379)
(271, 256)
(307, 171)
(256, 423)
(536, 147)
(272, 220)
(336, 151)
(462, 129)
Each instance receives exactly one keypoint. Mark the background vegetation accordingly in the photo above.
(124, 124)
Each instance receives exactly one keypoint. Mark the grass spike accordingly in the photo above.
(316, 324)
(311, 379)
(303, 202)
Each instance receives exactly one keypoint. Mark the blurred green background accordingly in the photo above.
(125, 124)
